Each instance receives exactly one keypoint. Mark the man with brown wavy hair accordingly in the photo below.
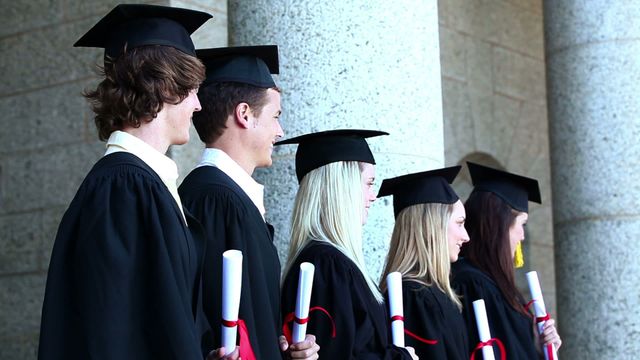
(123, 280)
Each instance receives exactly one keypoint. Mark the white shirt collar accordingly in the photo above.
(166, 168)
(220, 159)
(160, 163)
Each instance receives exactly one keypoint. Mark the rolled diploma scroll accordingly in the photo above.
(303, 298)
(483, 328)
(231, 286)
(394, 286)
(540, 310)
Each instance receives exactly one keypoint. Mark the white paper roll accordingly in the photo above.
(394, 288)
(303, 298)
(231, 287)
(540, 310)
(483, 328)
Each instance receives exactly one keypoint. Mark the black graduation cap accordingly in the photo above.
(421, 188)
(133, 25)
(325, 147)
(516, 190)
(244, 64)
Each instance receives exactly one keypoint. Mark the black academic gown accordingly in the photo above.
(431, 315)
(232, 221)
(513, 328)
(361, 323)
(123, 278)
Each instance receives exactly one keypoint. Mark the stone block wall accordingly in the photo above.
(495, 109)
(48, 142)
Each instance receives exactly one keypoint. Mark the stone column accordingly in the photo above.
(350, 64)
(593, 74)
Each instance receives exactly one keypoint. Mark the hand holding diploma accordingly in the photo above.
(546, 326)
(303, 346)
(221, 353)
(303, 298)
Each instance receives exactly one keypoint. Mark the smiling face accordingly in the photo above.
(516, 231)
(266, 129)
(456, 232)
(367, 177)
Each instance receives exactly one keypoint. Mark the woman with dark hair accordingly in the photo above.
(497, 211)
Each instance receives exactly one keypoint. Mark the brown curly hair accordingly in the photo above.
(219, 100)
(138, 83)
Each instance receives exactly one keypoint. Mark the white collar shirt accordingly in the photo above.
(220, 159)
(167, 170)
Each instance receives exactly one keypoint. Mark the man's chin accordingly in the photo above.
(264, 164)
(181, 141)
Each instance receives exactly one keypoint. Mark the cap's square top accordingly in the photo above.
(516, 190)
(128, 26)
(251, 65)
(325, 147)
(421, 188)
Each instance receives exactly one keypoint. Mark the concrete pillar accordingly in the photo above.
(593, 73)
(350, 64)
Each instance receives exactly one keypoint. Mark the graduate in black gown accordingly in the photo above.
(497, 211)
(123, 279)
(426, 239)
(239, 124)
(336, 173)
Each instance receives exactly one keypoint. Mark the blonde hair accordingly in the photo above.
(419, 247)
(329, 208)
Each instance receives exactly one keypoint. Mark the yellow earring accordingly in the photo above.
(518, 259)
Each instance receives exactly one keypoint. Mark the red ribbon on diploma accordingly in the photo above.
(548, 348)
(543, 318)
(527, 306)
(292, 317)
(246, 351)
(227, 323)
(490, 342)
(414, 336)
(538, 319)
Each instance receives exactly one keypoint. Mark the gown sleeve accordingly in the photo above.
(122, 274)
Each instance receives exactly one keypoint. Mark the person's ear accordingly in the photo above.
(241, 115)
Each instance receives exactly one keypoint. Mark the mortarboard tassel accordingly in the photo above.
(518, 259)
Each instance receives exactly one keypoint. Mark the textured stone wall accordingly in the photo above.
(350, 64)
(495, 109)
(593, 57)
(48, 143)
